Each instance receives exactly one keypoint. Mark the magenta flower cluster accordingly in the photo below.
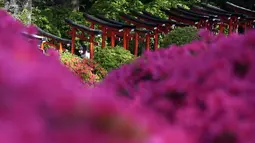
(202, 92)
(206, 88)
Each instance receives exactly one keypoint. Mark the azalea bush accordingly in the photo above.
(204, 90)
(180, 36)
(201, 93)
(87, 69)
(112, 57)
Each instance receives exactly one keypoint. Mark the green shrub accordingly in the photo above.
(111, 58)
(88, 70)
(180, 36)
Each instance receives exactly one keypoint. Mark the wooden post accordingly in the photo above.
(73, 39)
(209, 26)
(91, 46)
(156, 40)
(136, 43)
(230, 26)
(147, 41)
(125, 39)
(42, 46)
(245, 27)
(221, 27)
(112, 39)
(60, 47)
(103, 36)
(127, 45)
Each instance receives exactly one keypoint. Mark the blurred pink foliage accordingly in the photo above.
(173, 96)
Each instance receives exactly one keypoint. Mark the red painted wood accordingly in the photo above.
(147, 42)
(221, 27)
(125, 39)
(104, 36)
(112, 39)
(156, 40)
(136, 44)
(73, 40)
(91, 46)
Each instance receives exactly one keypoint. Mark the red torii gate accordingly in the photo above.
(182, 18)
(169, 23)
(210, 20)
(31, 37)
(161, 26)
(143, 24)
(203, 20)
(75, 28)
(240, 9)
(108, 30)
(54, 40)
(226, 17)
(138, 36)
(234, 18)
(250, 19)
(128, 29)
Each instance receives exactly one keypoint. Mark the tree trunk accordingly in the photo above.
(75, 5)
(12, 6)
(28, 6)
